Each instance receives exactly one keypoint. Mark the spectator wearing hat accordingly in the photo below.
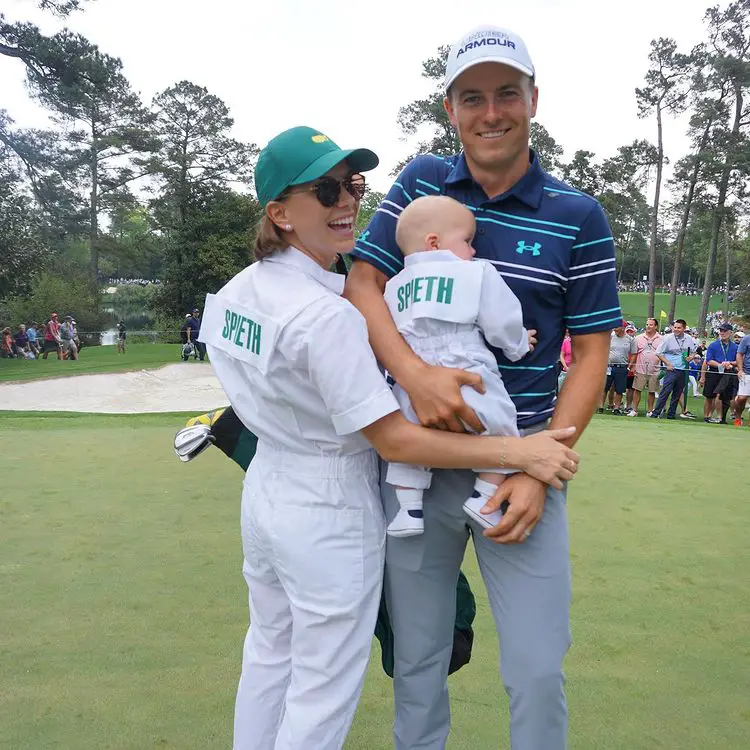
(646, 367)
(621, 354)
(720, 380)
(195, 329)
(743, 371)
(674, 352)
(122, 335)
(630, 330)
(52, 340)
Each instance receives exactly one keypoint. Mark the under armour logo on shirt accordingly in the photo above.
(534, 249)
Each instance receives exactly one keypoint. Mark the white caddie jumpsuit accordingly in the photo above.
(445, 308)
(293, 358)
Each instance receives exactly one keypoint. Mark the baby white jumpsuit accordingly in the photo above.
(442, 306)
(293, 358)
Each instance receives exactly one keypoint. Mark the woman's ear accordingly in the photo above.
(277, 212)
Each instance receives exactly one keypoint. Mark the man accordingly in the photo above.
(544, 238)
(21, 341)
(646, 367)
(674, 353)
(621, 356)
(720, 376)
(630, 330)
(52, 340)
(122, 335)
(194, 323)
(743, 369)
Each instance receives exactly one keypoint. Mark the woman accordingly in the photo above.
(566, 357)
(294, 360)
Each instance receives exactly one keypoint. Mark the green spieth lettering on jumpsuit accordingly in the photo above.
(424, 289)
(238, 326)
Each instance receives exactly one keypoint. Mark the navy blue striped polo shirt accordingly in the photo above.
(551, 243)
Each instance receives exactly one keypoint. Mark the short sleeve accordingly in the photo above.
(744, 345)
(343, 369)
(591, 301)
(377, 245)
(500, 315)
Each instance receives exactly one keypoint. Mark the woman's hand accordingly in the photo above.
(549, 460)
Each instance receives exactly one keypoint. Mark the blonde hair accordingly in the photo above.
(268, 239)
(431, 214)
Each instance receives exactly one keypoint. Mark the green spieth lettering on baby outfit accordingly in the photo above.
(425, 289)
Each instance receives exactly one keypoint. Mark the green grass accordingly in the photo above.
(94, 359)
(635, 307)
(123, 608)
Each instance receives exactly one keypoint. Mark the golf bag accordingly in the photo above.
(188, 350)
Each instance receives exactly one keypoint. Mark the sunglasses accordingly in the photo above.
(328, 189)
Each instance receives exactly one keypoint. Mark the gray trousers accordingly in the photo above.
(528, 586)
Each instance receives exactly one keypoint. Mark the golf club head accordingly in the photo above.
(189, 442)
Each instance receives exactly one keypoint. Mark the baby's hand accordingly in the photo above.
(532, 339)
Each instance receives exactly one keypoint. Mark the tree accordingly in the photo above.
(688, 170)
(428, 115)
(367, 209)
(583, 173)
(729, 58)
(105, 123)
(196, 163)
(662, 93)
(23, 252)
(548, 151)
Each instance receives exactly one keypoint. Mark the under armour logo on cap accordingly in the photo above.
(487, 44)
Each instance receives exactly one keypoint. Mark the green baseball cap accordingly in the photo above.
(301, 155)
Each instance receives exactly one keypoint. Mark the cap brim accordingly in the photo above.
(499, 61)
(359, 159)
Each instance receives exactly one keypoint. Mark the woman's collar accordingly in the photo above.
(297, 259)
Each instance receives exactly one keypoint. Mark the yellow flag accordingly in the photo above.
(663, 314)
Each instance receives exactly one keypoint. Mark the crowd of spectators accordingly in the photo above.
(665, 365)
(36, 341)
(118, 281)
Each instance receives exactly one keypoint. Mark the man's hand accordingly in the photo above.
(436, 397)
(525, 497)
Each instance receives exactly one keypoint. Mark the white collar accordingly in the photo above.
(295, 258)
(429, 256)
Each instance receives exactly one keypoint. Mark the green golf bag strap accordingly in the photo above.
(237, 442)
(463, 633)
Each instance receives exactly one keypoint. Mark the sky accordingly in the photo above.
(345, 68)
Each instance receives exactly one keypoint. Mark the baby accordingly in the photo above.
(446, 306)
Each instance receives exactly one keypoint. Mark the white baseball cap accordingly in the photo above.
(487, 44)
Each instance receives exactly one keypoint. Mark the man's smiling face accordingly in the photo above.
(491, 106)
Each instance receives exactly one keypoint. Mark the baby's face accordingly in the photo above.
(459, 237)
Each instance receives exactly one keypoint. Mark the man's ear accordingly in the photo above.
(432, 242)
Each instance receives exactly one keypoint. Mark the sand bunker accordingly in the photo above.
(188, 386)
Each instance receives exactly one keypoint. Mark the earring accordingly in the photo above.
(288, 227)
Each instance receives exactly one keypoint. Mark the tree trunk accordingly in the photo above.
(624, 248)
(94, 207)
(685, 219)
(655, 217)
(727, 259)
(719, 210)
